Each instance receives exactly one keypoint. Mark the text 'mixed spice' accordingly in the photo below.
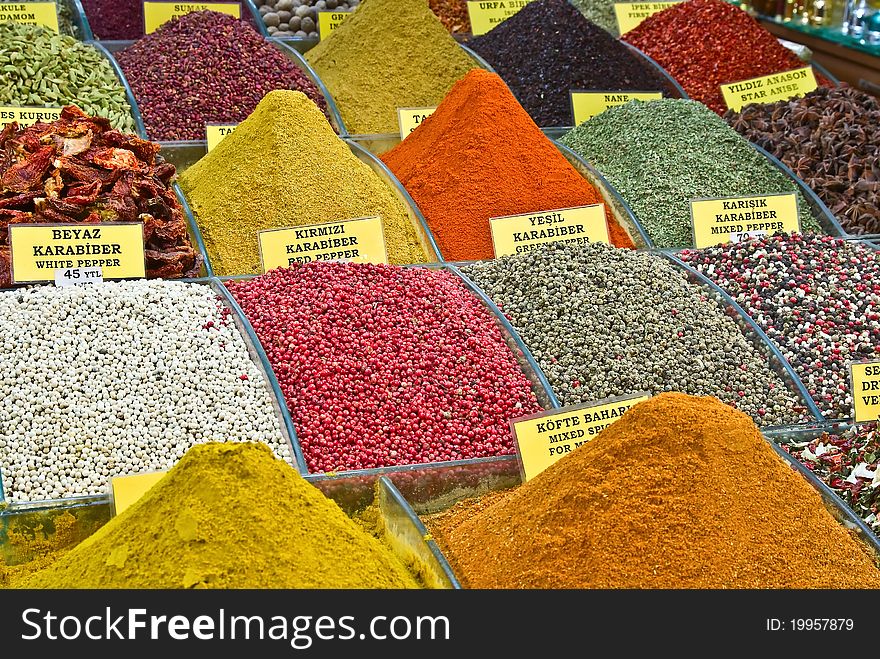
(769, 89)
(587, 104)
(515, 234)
(733, 219)
(631, 14)
(486, 14)
(35, 12)
(158, 13)
(865, 383)
(544, 438)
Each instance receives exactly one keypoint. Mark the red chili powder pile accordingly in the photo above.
(480, 155)
(707, 43)
(681, 492)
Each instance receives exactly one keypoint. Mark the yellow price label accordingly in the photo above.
(734, 219)
(127, 490)
(38, 250)
(411, 118)
(27, 116)
(865, 385)
(361, 240)
(517, 234)
(630, 14)
(487, 14)
(586, 105)
(43, 13)
(329, 21)
(544, 438)
(769, 89)
(216, 132)
(159, 13)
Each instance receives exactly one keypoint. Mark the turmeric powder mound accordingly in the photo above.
(283, 167)
(480, 155)
(229, 516)
(681, 492)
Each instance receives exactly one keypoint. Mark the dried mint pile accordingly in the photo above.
(206, 67)
(661, 154)
(848, 462)
(706, 43)
(283, 533)
(548, 48)
(284, 166)
(120, 378)
(41, 68)
(599, 12)
(383, 365)
(79, 169)
(830, 138)
(603, 322)
(816, 297)
(298, 18)
(390, 54)
(681, 492)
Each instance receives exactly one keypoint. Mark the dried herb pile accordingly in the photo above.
(79, 169)
(830, 138)
(681, 492)
(548, 48)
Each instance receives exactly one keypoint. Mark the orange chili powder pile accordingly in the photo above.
(480, 155)
(681, 492)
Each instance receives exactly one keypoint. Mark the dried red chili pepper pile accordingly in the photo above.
(706, 43)
(849, 463)
(384, 365)
(79, 170)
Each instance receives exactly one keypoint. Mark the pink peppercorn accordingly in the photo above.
(383, 365)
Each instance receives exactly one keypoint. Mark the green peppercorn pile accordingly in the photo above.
(660, 155)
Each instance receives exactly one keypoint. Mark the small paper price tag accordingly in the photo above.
(126, 490)
(329, 21)
(33, 12)
(411, 118)
(769, 89)
(158, 13)
(631, 14)
(544, 438)
(517, 234)
(734, 219)
(78, 276)
(27, 116)
(487, 14)
(587, 104)
(361, 240)
(865, 387)
(214, 133)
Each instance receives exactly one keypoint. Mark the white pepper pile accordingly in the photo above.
(118, 378)
(603, 321)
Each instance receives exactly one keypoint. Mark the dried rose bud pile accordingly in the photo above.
(831, 139)
(383, 365)
(206, 67)
(816, 297)
(849, 463)
(78, 169)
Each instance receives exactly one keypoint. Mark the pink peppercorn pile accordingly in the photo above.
(206, 67)
(383, 365)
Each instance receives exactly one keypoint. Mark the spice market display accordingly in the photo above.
(363, 414)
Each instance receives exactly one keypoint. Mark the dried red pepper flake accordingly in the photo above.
(78, 169)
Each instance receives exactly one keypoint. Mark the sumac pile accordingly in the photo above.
(384, 365)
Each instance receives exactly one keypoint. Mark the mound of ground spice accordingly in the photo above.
(707, 43)
(284, 166)
(229, 516)
(681, 492)
(389, 54)
(548, 48)
(479, 156)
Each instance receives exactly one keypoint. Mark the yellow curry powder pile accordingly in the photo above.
(284, 166)
(229, 516)
(681, 492)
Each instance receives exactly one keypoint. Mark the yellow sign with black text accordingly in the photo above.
(631, 14)
(27, 116)
(865, 381)
(769, 89)
(329, 21)
(38, 250)
(544, 438)
(586, 105)
(734, 219)
(485, 15)
(216, 132)
(411, 118)
(43, 13)
(517, 234)
(361, 240)
(159, 13)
